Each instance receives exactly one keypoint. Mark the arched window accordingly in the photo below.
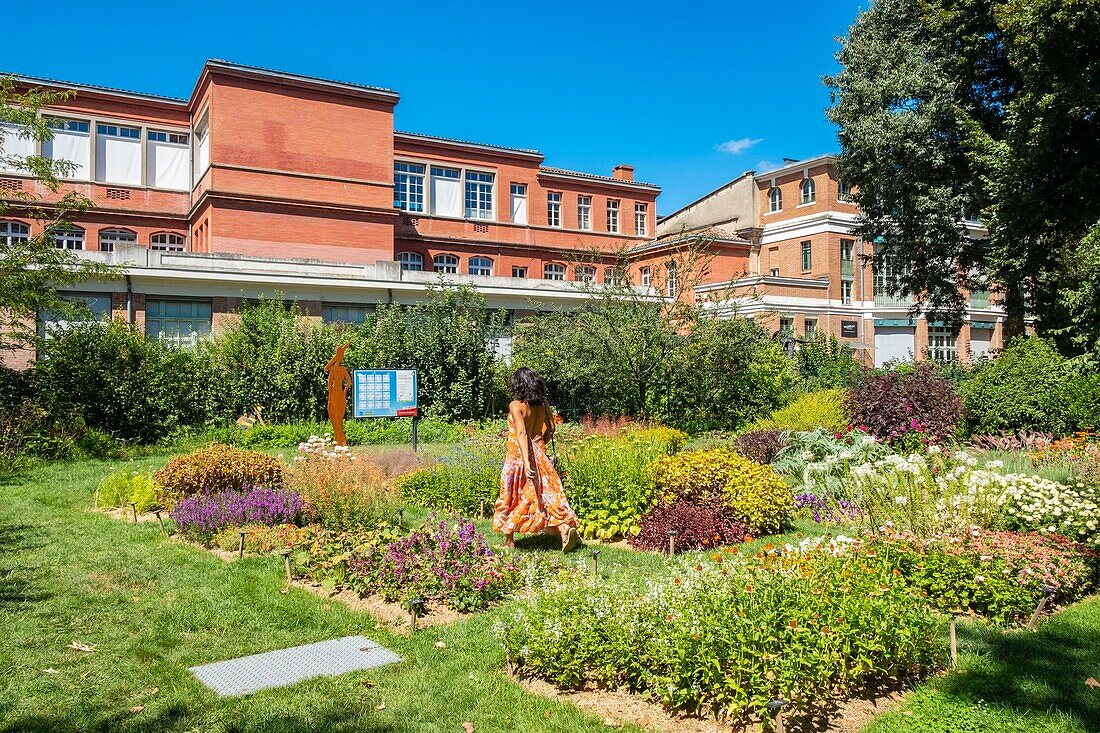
(12, 232)
(553, 271)
(446, 263)
(481, 266)
(809, 191)
(775, 199)
(108, 238)
(647, 277)
(410, 261)
(584, 273)
(843, 191)
(167, 242)
(72, 238)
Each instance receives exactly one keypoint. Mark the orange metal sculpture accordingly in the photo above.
(339, 382)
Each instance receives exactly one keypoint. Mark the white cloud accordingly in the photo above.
(765, 165)
(735, 147)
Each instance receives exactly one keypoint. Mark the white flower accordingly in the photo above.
(901, 500)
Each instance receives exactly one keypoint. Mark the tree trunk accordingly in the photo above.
(1015, 310)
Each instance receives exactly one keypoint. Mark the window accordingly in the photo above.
(641, 219)
(613, 276)
(847, 250)
(519, 203)
(846, 292)
(17, 142)
(479, 195)
(410, 261)
(181, 322)
(13, 232)
(553, 209)
(647, 277)
(354, 315)
(942, 344)
(553, 271)
(584, 273)
(446, 263)
(809, 191)
(774, 272)
(612, 215)
(811, 327)
(446, 191)
(166, 158)
(807, 256)
(843, 191)
(51, 323)
(408, 186)
(481, 266)
(673, 286)
(584, 212)
(518, 271)
(108, 238)
(775, 199)
(202, 148)
(69, 238)
(71, 140)
(786, 325)
(167, 242)
(118, 154)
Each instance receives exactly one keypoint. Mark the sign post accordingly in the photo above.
(387, 393)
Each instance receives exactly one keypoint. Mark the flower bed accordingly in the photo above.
(697, 527)
(340, 490)
(201, 518)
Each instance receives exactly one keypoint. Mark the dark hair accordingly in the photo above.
(528, 386)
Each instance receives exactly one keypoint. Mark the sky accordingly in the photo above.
(691, 93)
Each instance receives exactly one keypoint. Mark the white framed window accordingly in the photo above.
(786, 325)
(408, 186)
(350, 314)
(774, 272)
(584, 212)
(166, 159)
(807, 256)
(641, 219)
(811, 327)
(612, 215)
(69, 238)
(846, 287)
(671, 283)
(481, 266)
(16, 141)
(71, 140)
(775, 199)
(612, 276)
(843, 191)
(519, 203)
(446, 263)
(118, 154)
(167, 242)
(201, 159)
(51, 323)
(553, 271)
(646, 276)
(178, 321)
(446, 191)
(584, 273)
(13, 232)
(108, 238)
(848, 250)
(942, 344)
(479, 195)
(519, 271)
(553, 209)
(809, 191)
(410, 261)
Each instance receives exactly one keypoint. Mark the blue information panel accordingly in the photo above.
(385, 393)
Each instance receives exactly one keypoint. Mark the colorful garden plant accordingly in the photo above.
(213, 469)
(203, 516)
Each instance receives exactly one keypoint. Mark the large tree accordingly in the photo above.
(988, 107)
(33, 269)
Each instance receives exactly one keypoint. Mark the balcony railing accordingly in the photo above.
(886, 300)
(979, 299)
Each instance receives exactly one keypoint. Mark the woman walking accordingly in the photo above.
(531, 495)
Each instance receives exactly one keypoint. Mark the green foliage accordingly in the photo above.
(466, 481)
(373, 431)
(821, 461)
(215, 469)
(824, 362)
(810, 411)
(122, 487)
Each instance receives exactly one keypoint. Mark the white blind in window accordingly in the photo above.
(519, 209)
(446, 196)
(13, 144)
(118, 160)
(202, 152)
(73, 146)
(166, 166)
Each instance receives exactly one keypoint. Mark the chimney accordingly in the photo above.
(623, 172)
(788, 161)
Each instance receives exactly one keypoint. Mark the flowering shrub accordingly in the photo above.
(761, 446)
(202, 517)
(913, 408)
(697, 526)
(1080, 453)
(466, 479)
(753, 493)
(446, 560)
(1024, 440)
(728, 635)
(321, 555)
(825, 511)
(822, 460)
(122, 487)
(213, 469)
(339, 490)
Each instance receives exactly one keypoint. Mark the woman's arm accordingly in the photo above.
(551, 426)
(516, 409)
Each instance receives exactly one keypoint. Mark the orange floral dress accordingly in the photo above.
(523, 506)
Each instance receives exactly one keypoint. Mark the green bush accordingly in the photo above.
(371, 431)
(214, 469)
(809, 411)
(466, 481)
(121, 487)
(824, 362)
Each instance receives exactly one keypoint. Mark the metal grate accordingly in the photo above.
(119, 194)
(481, 228)
(284, 667)
(11, 184)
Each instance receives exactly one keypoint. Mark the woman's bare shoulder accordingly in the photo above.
(518, 406)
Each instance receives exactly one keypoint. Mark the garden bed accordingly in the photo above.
(395, 616)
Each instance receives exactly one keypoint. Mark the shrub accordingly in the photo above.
(824, 362)
(896, 406)
(1024, 440)
(122, 487)
(809, 411)
(466, 481)
(761, 446)
(821, 461)
(753, 493)
(204, 516)
(262, 539)
(213, 469)
(375, 431)
(339, 490)
(697, 527)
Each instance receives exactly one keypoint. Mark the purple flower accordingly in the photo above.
(205, 515)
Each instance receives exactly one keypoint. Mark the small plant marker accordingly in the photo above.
(414, 607)
(160, 519)
(240, 551)
(133, 508)
(95, 500)
(1048, 594)
(775, 708)
(954, 645)
(481, 511)
(596, 564)
(286, 565)
(400, 516)
(672, 542)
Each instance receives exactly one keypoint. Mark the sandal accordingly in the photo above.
(569, 540)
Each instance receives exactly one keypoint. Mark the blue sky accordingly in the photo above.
(691, 93)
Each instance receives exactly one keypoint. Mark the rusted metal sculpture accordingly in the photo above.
(339, 382)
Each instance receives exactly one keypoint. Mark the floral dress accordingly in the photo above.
(529, 506)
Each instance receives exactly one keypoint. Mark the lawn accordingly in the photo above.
(151, 608)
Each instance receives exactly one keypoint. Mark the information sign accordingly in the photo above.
(385, 393)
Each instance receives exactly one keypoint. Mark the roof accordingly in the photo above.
(421, 137)
(711, 235)
(289, 76)
(798, 165)
(593, 176)
(41, 81)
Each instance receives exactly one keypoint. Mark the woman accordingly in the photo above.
(531, 496)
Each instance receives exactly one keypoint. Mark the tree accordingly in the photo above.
(984, 107)
(33, 269)
(1072, 315)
